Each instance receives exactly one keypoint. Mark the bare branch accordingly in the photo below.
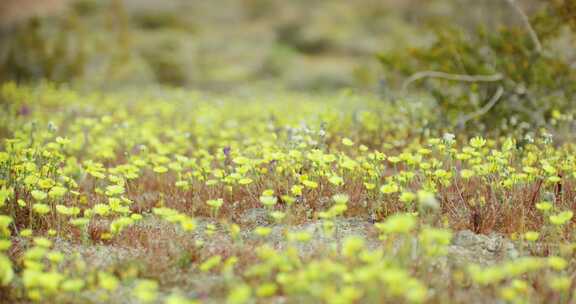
(462, 122)
(448, 76)
(529, 28)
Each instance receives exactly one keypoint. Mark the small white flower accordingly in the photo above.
(449, 138)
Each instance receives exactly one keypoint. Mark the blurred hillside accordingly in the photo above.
(299, 44)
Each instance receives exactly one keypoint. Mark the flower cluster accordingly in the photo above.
(218, 188)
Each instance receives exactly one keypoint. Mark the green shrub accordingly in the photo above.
(493, 77)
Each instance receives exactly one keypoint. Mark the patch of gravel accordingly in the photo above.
(254, 217)
(321, 241)
(468, 247)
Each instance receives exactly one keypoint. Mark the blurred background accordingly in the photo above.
(226, 44)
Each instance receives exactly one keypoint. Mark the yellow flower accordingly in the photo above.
(477, 142)
(347, 142)
(531, 236)
(39, 195)
(389, 188)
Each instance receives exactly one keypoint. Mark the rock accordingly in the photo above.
(255, 217)
(468, 247)
(320, 243)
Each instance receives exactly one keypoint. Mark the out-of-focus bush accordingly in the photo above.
(526, 87)
(88, 40)
(566, 9)
(323, 44)
(31, 55)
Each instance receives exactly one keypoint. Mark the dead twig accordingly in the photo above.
(462, 122)
(529, 28)
(452, 77)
